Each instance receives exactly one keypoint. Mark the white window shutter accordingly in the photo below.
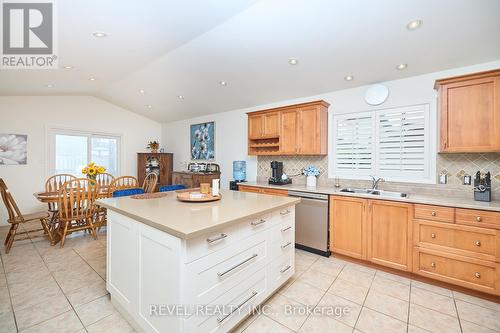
(353, 146)
(403, 147)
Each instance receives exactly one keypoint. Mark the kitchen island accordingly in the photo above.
(197, 267)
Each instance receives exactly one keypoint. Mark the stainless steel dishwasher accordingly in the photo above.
(311, 222)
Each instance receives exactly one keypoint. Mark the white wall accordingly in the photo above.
(34, 115)
(231, 126)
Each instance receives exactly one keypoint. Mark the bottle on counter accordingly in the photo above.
(215, 187)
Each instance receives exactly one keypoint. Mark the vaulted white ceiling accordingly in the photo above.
(185, 47)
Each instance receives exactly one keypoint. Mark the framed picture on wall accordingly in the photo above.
(203, 141)
(13, 149)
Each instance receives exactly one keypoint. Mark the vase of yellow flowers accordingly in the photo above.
(153, 146)
(92, 170)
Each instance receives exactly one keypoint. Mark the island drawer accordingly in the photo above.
(467, 272)
(478, 218)
(217, 240)
(281, 269)
(234, 305)
(211, 276)
(435, 213)
(470, 241)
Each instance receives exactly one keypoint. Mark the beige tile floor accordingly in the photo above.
(49, 289)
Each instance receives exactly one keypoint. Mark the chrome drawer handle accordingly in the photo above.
(221, 274)
(479, 219)
(215, 239)
(433, 213)
(477, 243)
(433, 264)
(285, 269)
(285, 212)
(286, 229)
(433, 235)
(285, 245)
(477, 275)
(221, 319)
(259, 222)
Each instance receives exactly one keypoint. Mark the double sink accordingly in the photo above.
(379, 193)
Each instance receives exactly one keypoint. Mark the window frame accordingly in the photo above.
(429, 176)
(52, 132)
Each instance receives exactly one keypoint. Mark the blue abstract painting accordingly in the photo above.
(203, 141)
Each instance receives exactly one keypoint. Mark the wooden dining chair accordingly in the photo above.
(149, 184)
(77, 208)
(104, 180)
(16, 218)
(123, 183)
(53, 184)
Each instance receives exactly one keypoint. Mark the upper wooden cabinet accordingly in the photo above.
(300, 129)
(470, 113)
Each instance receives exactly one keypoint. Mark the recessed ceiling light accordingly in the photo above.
(414, 24)
(180, 97)
(349, 78)
(223, 83)
(68, 67)
(400, 67)
(91, 78)
(293, 61)
(99, 34)
(49, 85)
(149, 106)
(142, 91)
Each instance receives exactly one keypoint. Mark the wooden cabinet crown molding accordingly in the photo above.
(293, 106)
(466, 77)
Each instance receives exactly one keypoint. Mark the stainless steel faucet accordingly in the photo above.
(375, 182)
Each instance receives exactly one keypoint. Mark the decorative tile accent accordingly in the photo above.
(453, 165)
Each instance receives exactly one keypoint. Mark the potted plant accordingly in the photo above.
(311, 173)
(92, 170)
(153, 146)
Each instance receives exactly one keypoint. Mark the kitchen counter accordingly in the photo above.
(458, 202)
(187, 220)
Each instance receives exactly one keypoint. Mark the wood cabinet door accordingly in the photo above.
(348, 226)
(470, 116)
(255, 126)
(288, 133)
(271, 124)
(252, 189)
(309, 134)
(389, 234)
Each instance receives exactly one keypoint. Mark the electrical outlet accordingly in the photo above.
(467, 180)
(443, 179)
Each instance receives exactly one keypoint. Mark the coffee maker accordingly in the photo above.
(277, 174)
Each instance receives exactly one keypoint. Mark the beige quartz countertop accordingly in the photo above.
(191, 219)
(459, 202)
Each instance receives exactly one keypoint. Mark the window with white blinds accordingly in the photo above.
(354, 143)
(391, 143)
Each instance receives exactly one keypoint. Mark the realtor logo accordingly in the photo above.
(28, 35)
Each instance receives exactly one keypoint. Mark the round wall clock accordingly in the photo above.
(376, 94)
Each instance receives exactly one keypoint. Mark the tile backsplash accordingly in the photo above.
(455, 166)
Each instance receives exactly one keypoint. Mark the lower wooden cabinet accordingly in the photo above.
(389, 234)
(348, 227)
(193, 179)
(468, 272)
(262, 190)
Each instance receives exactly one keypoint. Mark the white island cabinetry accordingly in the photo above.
(206, 283)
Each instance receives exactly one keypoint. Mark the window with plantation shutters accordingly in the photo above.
(402, 148)
(391, 143)
(354, 138)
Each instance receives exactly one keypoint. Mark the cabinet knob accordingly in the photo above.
(478, 218)
(433, 213)
(477, 275)
(433, 264)
(478, 243)
(433, 235)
